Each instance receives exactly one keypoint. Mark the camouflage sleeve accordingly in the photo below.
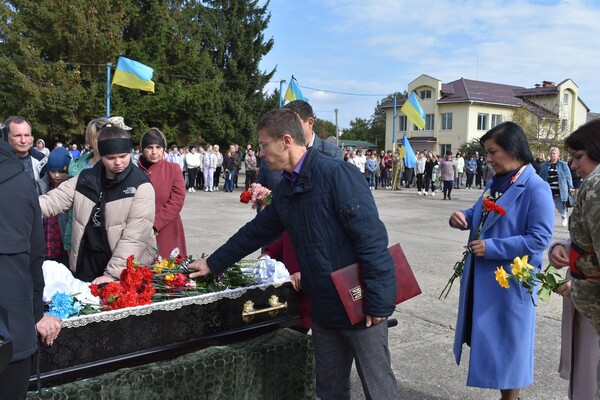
(585, 227)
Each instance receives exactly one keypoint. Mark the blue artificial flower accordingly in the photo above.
(64, 306)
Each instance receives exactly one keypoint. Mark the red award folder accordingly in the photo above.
(350, 288)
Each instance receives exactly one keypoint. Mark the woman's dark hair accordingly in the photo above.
(586, 137)
(512, 139)
(110, 131)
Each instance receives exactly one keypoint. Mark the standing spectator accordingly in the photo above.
(447, 175)
(228, 170)
(581, 253)
(488, 172)
(479, 172)
(362, 161)
(431, 168)
(324, 242)
(491, 318)
(192, 160)
(372, 166)
(239, 156)
(558, 175)
(471, 169)
(354, 160)
(459, 161)
(200, 176)
(184, 151)
(218, 168)
(18, 135)
(22, 284)
(539, 162)
(113, 211)
(397, 170)
(420, 171)
(41, 147)
(176, 157)
(251, 168)
(169, 189)
(75, 153)
(135, 156)
(209, 162)
(55, 227)
(388, 164)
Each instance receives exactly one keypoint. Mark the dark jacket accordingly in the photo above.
(333, 221)
(22, 252)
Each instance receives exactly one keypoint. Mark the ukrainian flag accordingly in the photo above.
(413, 111)
(407, 152)
(133, 75)
(293, 91)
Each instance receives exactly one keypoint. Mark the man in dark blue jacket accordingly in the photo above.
(21, 257)
(331, 217)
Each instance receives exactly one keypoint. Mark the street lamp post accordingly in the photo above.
(337, 131)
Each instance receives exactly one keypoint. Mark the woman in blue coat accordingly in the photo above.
(499, 324)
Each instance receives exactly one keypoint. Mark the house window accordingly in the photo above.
(563, 125)
(429, 122)
(445, 148)
(496, 120)
(482, 121)
(566, 98)
(425, 94)
(446, 121)
(402, 124)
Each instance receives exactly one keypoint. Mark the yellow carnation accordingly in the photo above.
(501, 277)
(169, 277)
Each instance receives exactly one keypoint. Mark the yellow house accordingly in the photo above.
(460, 111)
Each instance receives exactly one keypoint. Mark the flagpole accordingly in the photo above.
(394, 126)
(108, 89)
(281, 82)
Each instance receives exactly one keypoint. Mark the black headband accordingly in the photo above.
(149, 139)
(114, 146)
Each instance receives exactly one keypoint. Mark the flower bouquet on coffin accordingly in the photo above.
(523, 273)
(258, 195)
(489, 206)
(166, 279)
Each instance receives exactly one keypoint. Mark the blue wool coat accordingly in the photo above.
(498, 323)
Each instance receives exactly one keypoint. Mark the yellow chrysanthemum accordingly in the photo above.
(169, 277)
(502, 277)
(157, 269)
(164, 263)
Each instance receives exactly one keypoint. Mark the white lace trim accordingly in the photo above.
(168, 305)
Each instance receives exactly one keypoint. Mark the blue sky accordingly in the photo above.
(375, 47)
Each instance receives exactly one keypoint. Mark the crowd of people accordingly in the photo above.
(91, 210)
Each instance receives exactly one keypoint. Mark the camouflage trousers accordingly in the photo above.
(586, 297)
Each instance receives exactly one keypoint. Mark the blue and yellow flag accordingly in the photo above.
(407, 152)
(293, 91)
(133, 75)
(413, 111)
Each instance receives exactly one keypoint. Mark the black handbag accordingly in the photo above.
(5, 346)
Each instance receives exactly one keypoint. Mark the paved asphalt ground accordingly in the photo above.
(421, 344)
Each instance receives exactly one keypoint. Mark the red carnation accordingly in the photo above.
(245, 197)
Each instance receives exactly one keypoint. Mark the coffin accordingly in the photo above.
(95, 344)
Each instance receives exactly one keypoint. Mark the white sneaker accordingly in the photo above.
(190, 190)
(211, 190)
(193, 190)
(206, 190)
(564, 222)
(419, 193)
(432, 194)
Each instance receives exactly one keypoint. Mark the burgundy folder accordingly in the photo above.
(350, 288)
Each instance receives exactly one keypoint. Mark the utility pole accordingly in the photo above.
(337, 131)
(281, 82)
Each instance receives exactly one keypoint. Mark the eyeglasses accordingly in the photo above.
(263, 146)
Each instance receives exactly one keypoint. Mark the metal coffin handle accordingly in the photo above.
(248, 311)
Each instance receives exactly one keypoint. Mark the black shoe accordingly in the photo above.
(449, 198)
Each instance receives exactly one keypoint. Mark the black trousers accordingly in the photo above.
(14, 381)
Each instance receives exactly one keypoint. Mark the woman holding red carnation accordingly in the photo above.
(169, 187)
(513, 218)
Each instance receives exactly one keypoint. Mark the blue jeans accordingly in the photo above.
(371, 179)
(229, 182)
(560, 207)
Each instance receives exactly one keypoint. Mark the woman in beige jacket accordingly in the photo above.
(113, 211)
